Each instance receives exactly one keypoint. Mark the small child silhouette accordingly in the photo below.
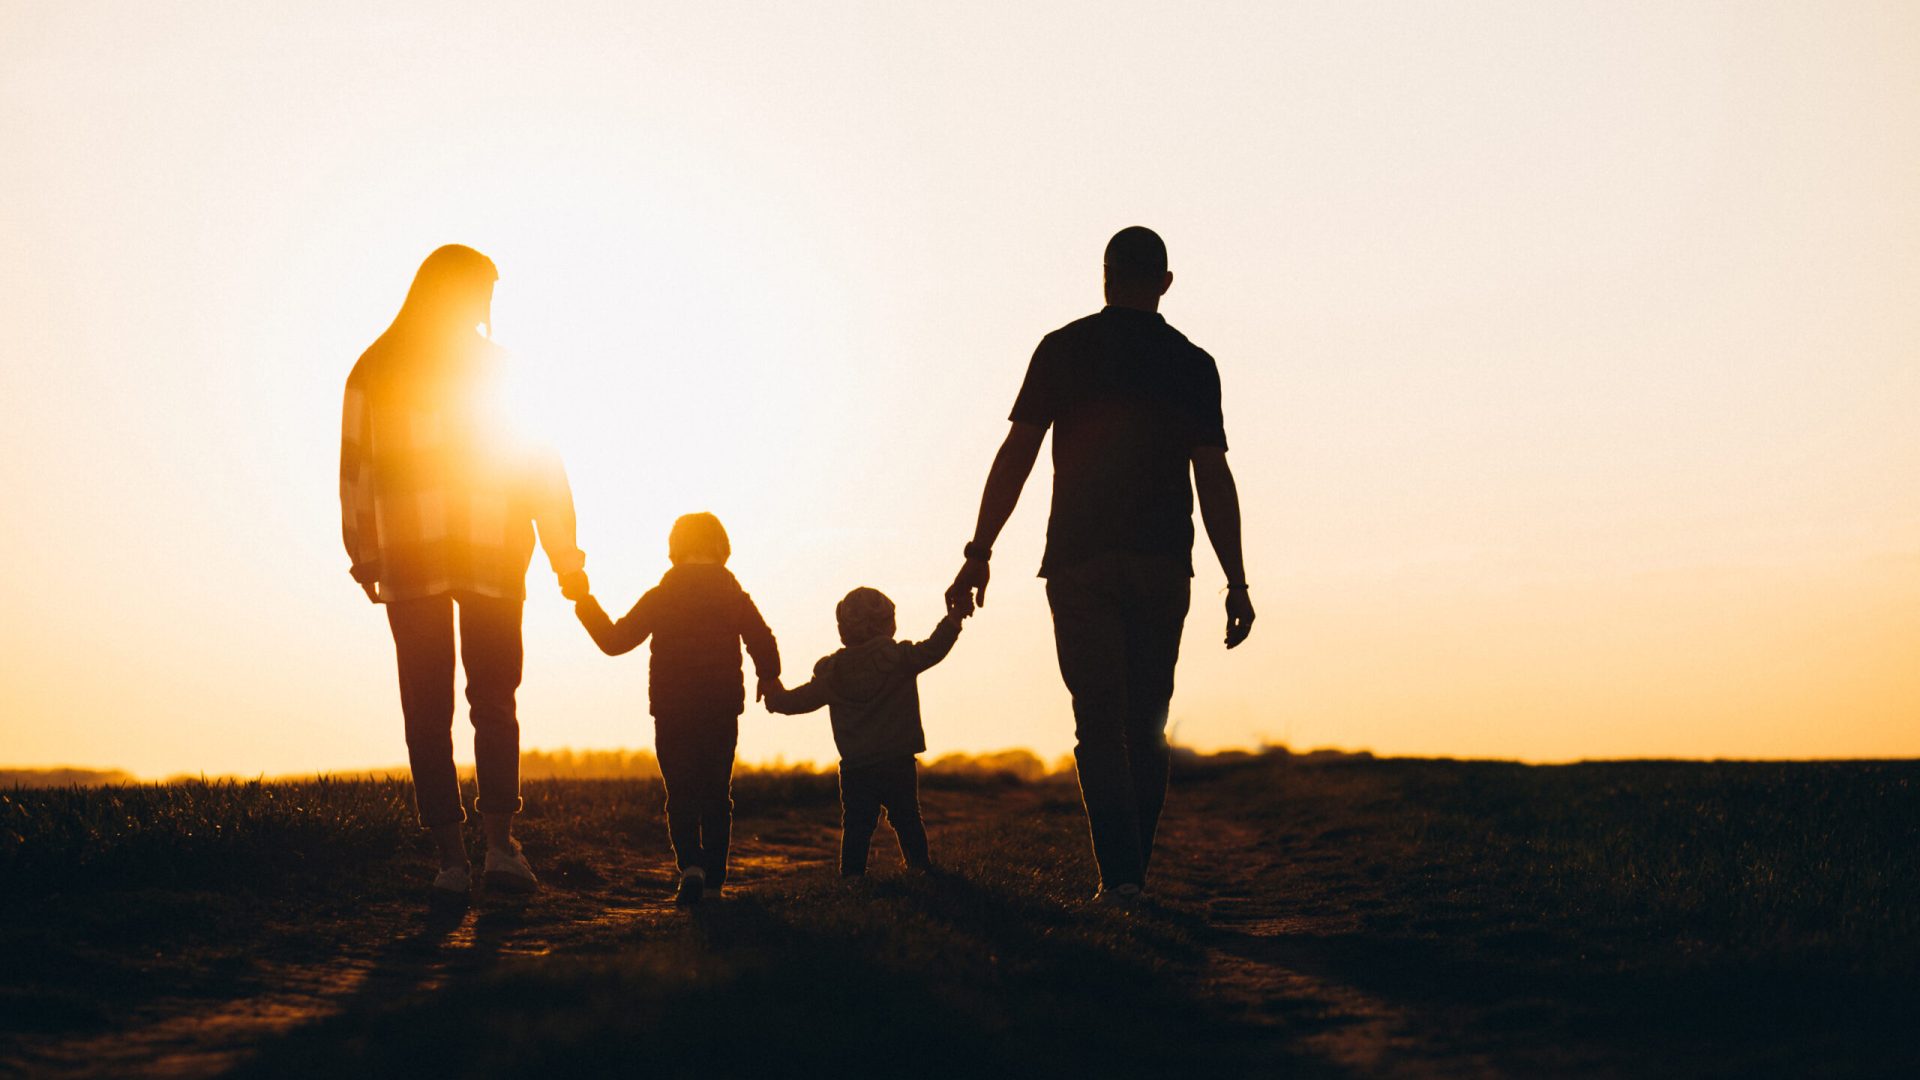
(698, 617)
(871, 691)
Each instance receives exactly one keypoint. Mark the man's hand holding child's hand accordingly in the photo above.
(767, 686)
(960, 603)
(573, 585)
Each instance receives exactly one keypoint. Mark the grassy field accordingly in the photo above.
(1343, 916)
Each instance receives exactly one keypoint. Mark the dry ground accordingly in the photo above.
(1352, 917)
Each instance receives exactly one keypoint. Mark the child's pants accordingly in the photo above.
(865, 789)
(696, 761)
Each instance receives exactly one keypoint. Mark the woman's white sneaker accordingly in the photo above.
(508, 870)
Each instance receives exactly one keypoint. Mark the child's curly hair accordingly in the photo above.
(698, 536)
(864, 614)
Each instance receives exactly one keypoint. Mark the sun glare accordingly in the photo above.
(1548, 446)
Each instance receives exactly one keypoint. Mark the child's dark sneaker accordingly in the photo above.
(693, 885)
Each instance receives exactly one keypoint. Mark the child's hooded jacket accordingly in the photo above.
(698, 617)
(872, 694)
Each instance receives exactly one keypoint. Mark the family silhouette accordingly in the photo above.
(440, 509)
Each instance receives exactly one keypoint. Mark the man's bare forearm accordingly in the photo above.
(1220, 511)
(1011, 467)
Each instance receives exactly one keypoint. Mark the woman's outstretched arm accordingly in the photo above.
(804, 698)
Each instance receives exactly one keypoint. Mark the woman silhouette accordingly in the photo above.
(438, 507)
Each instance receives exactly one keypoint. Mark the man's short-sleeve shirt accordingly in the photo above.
(1129, 398)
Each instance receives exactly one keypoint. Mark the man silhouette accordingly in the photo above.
(1133, 406)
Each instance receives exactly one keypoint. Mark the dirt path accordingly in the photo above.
(1311, 918)
(1269, 962)
(385, 953)
(1235, 888)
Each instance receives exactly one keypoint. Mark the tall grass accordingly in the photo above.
(1710, 860)
(1810, 855)
(229, 833)
(197, 832)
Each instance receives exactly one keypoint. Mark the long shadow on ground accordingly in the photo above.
(927, 977)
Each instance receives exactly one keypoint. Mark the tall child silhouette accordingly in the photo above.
(698, 617)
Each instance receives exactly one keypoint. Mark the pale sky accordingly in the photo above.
(1571, 352)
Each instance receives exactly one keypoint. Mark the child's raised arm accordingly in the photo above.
(925, 654)
(615, 638)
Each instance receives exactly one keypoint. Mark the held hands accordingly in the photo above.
(969, 588)
(1239, 615)
(767, 686)
(960, 605)
(573, 585)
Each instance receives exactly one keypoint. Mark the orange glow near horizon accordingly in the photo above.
(1568, 353)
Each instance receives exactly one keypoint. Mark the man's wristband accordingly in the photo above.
(1243, 587)
(977, 550)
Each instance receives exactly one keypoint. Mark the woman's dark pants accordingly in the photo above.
(696, 761)
(490, 650)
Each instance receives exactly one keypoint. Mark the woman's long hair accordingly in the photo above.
(450, 284)
(429, 342)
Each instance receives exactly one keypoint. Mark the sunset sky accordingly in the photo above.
(1571, 352)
